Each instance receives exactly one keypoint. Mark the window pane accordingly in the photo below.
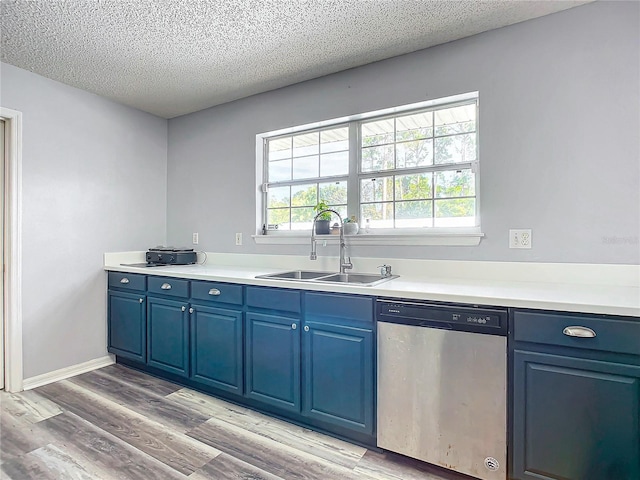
(278, 197)
(457, 212)
(305, 167)
(279, 149)
(376, 133)
(413, 187)
(305, 144)
(280, 170)
(341, 209)
(304, 195)
(377, 158)
(376, 189)
(334, 140)
(414, 154)
(456, 120)
(334, 164)
(414, 127)
(461, 183)
(455, 149)
(280, 217)
(334, 193)
(414, 214)
(302, 218)
(379, 215)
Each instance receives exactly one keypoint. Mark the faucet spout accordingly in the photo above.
(344, 264)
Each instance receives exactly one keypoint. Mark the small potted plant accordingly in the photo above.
(323, 221)
(350, 226)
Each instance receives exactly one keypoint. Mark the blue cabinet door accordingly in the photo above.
(168, 335)
(216, 347)
(575, 419)
(127, 325)
(272, 360)
(338, 375)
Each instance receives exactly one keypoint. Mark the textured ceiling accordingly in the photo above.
(174, 57)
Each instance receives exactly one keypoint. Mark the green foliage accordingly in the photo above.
(322, 205)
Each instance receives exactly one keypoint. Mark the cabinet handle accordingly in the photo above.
(183, 308)
(214, 291)
(306, 328)
(124, 280)
(293, 326)
(141, 300)
(191, 310)
(166, 286)
(581, 332)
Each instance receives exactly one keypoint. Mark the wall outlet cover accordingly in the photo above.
(520, 238)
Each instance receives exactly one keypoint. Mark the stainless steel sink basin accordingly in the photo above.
(364, 279)
(367, 279)
(296, 275)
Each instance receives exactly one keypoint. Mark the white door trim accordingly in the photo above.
(13, 250)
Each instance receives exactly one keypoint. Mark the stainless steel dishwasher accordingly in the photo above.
(442, 385)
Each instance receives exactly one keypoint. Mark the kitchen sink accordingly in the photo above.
(296, 275)
(363, 279)
(358, 278)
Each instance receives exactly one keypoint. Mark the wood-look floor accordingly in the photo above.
(118, 423)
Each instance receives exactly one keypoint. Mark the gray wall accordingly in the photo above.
(93, 181)
(559, 143)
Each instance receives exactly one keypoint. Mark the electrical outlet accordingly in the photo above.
(195, 238)
(238, 238)
(520, 238)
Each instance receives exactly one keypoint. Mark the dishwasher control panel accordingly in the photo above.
(487, 320)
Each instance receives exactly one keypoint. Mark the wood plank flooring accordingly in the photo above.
(118, 423)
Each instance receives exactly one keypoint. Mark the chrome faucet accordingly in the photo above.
(344, 264)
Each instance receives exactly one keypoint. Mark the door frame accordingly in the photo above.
(13, 250)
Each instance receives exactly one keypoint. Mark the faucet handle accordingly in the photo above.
(385, 270)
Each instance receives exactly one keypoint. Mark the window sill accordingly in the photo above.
(432, 239)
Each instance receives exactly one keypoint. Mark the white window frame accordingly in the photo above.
(458, 236)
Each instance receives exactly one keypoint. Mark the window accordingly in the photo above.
(408, 170)
(302, 169)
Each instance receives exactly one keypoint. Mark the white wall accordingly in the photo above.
(93, 180)
(559, 144)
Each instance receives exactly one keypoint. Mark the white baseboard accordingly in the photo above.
(67, 372)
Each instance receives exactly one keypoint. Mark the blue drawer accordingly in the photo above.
(353, 307)
(217, 292)
(274, 299)
(172, 287)
(127, 281)
(614, 334)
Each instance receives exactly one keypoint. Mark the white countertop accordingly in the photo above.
(570, 297)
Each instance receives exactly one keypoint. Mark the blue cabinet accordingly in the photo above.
(306, 356)
(127, 325)
(126, 316)
(216, 347)
(576, 400)
(272, 360)
(339, 361)
(338, 375)
(168, 335)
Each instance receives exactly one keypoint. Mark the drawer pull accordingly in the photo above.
(294, 326)
(580, 332)
(183, 308)
(166, 286)
(214, 291)
(140, 300)
(124, 280)
(191, 310)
